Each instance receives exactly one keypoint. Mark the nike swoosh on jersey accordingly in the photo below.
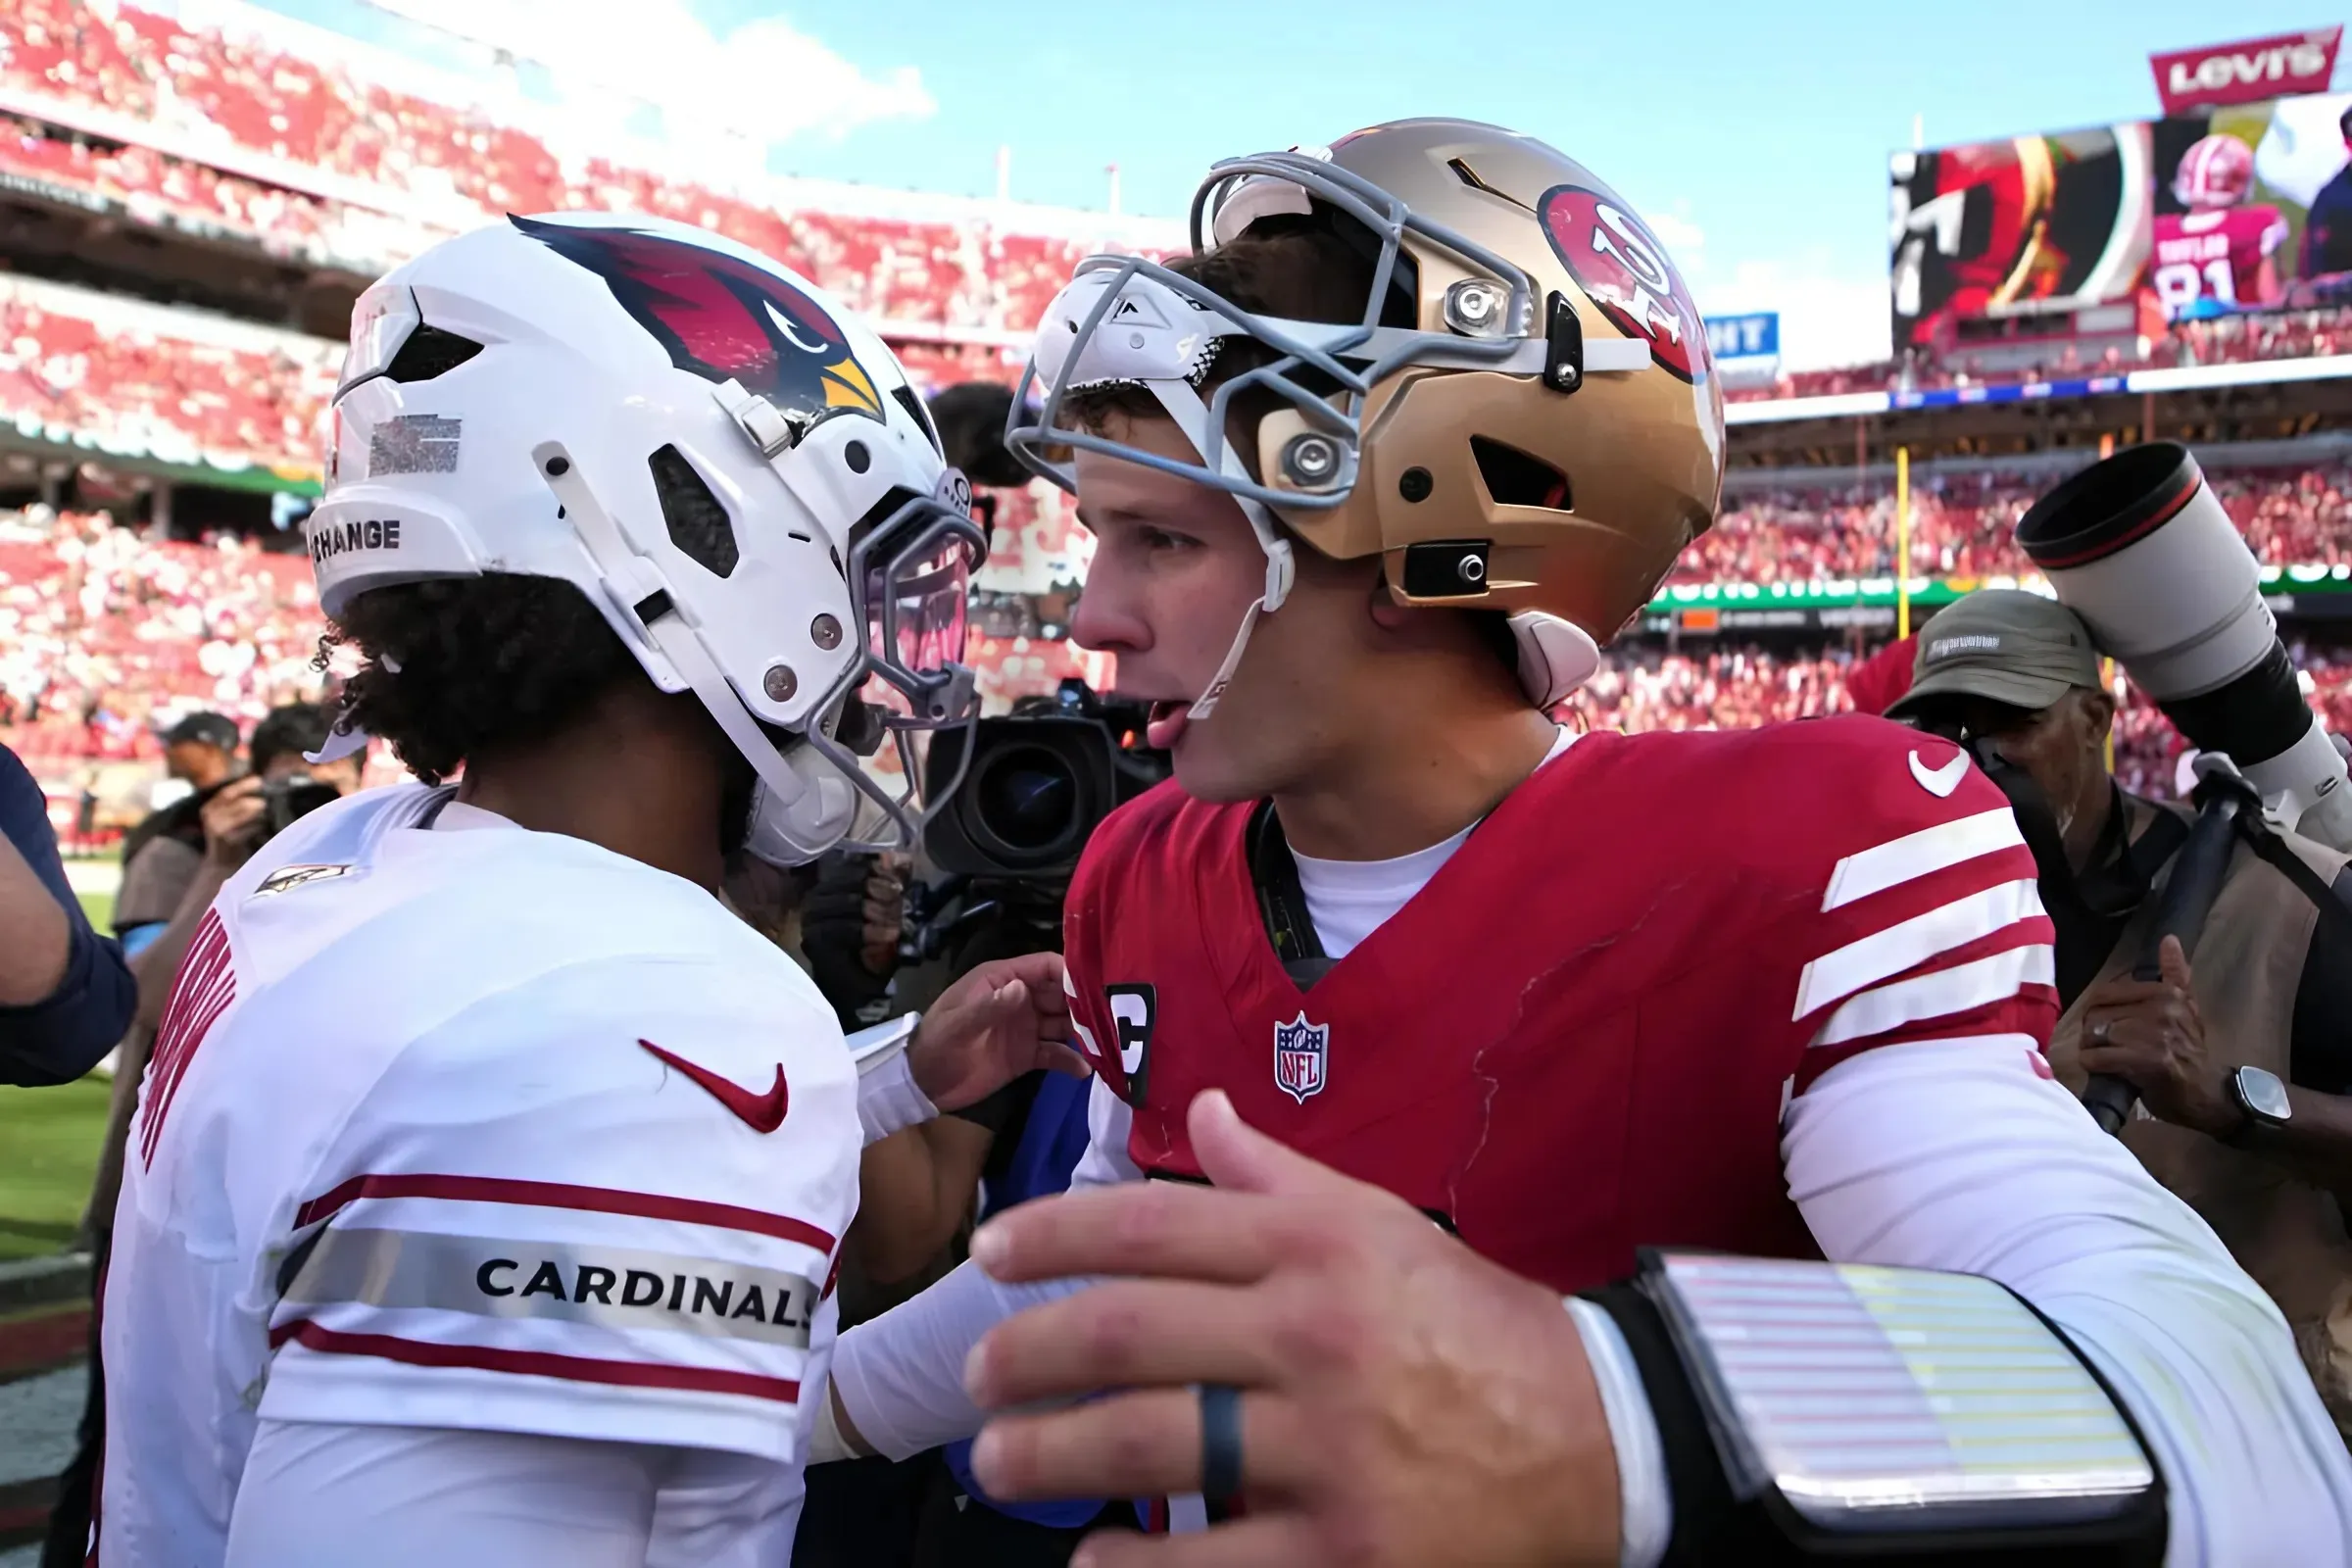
(763, 1113)
(1941, 781)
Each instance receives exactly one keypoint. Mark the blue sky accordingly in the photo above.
(1753, 136)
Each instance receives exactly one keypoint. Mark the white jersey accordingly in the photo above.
(487, 1130)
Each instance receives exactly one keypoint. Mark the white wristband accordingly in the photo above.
(825, 1443)
(1644, 1504)
(888, 1098)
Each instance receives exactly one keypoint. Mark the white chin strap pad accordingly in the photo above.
(798, 832)
(1556, 656)
(344, 740)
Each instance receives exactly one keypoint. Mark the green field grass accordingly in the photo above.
(99, 908)
(49, 1141)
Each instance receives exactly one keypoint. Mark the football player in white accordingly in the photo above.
(489, 1177)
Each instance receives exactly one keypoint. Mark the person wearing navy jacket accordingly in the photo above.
(66, 994)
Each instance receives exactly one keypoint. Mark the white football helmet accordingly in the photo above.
(733, 468)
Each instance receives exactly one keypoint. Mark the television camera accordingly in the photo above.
(1041, 780)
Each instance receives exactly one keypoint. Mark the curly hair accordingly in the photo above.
(455, 665)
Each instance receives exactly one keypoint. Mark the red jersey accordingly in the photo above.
(1580, 1036)
(2214, 255)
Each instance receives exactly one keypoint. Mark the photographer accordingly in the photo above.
(237, 815)
(2243, 1061)
(162, 855)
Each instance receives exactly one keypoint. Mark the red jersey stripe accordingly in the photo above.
(206, 983)
(535, 1363)
(565, 1195)
(2030, 1014)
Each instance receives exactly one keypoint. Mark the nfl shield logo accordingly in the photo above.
(1300, 1049)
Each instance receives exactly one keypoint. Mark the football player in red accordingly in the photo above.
(1424, 419)
(2221, 255)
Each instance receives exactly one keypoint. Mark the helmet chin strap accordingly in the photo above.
(1184, 406)
(784, 786)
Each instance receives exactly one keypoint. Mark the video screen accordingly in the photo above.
(2227, 209)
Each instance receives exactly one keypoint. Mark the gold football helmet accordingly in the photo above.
(1543, 438)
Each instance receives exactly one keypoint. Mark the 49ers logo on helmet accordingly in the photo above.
(1621, 266)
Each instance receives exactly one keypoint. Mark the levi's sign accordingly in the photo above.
(2281, 67)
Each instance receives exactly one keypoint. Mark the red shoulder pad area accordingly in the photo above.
(1909, 908)
(1143, 863)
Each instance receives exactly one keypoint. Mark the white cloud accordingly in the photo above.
(1827, 318)
(766, 81)
(1684, 240)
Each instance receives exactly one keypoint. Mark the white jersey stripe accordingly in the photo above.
(1922, 854)
(1939, 994)
(1884, 954)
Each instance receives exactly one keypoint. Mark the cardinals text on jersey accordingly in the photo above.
(1580, 1036)
(481, 1129)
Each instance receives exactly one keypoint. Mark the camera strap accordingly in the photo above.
(1282, 900)
(2265, 843)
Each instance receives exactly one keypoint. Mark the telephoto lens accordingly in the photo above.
(2140, 549)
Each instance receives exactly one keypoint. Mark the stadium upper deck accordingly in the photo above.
(249, 129)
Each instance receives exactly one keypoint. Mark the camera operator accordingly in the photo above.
(2243, 1061)
(237, 814)
(162, 855)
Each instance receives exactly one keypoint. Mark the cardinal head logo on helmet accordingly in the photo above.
(722, 317)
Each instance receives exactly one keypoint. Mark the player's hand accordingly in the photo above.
(1004, 1019)
(1405, 1402)
(234, 823)
(2150, 1034)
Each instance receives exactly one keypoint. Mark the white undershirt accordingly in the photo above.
(1350, 899)
(1943, 1154)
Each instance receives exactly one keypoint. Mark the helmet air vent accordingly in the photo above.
(698, 521)
(431, 352)
(1515, 478)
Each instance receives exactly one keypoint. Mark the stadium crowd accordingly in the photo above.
(150, 392)
(1720, 689)
(237, 91)
(107, 636)
(1962, 525)
(2223, 340)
